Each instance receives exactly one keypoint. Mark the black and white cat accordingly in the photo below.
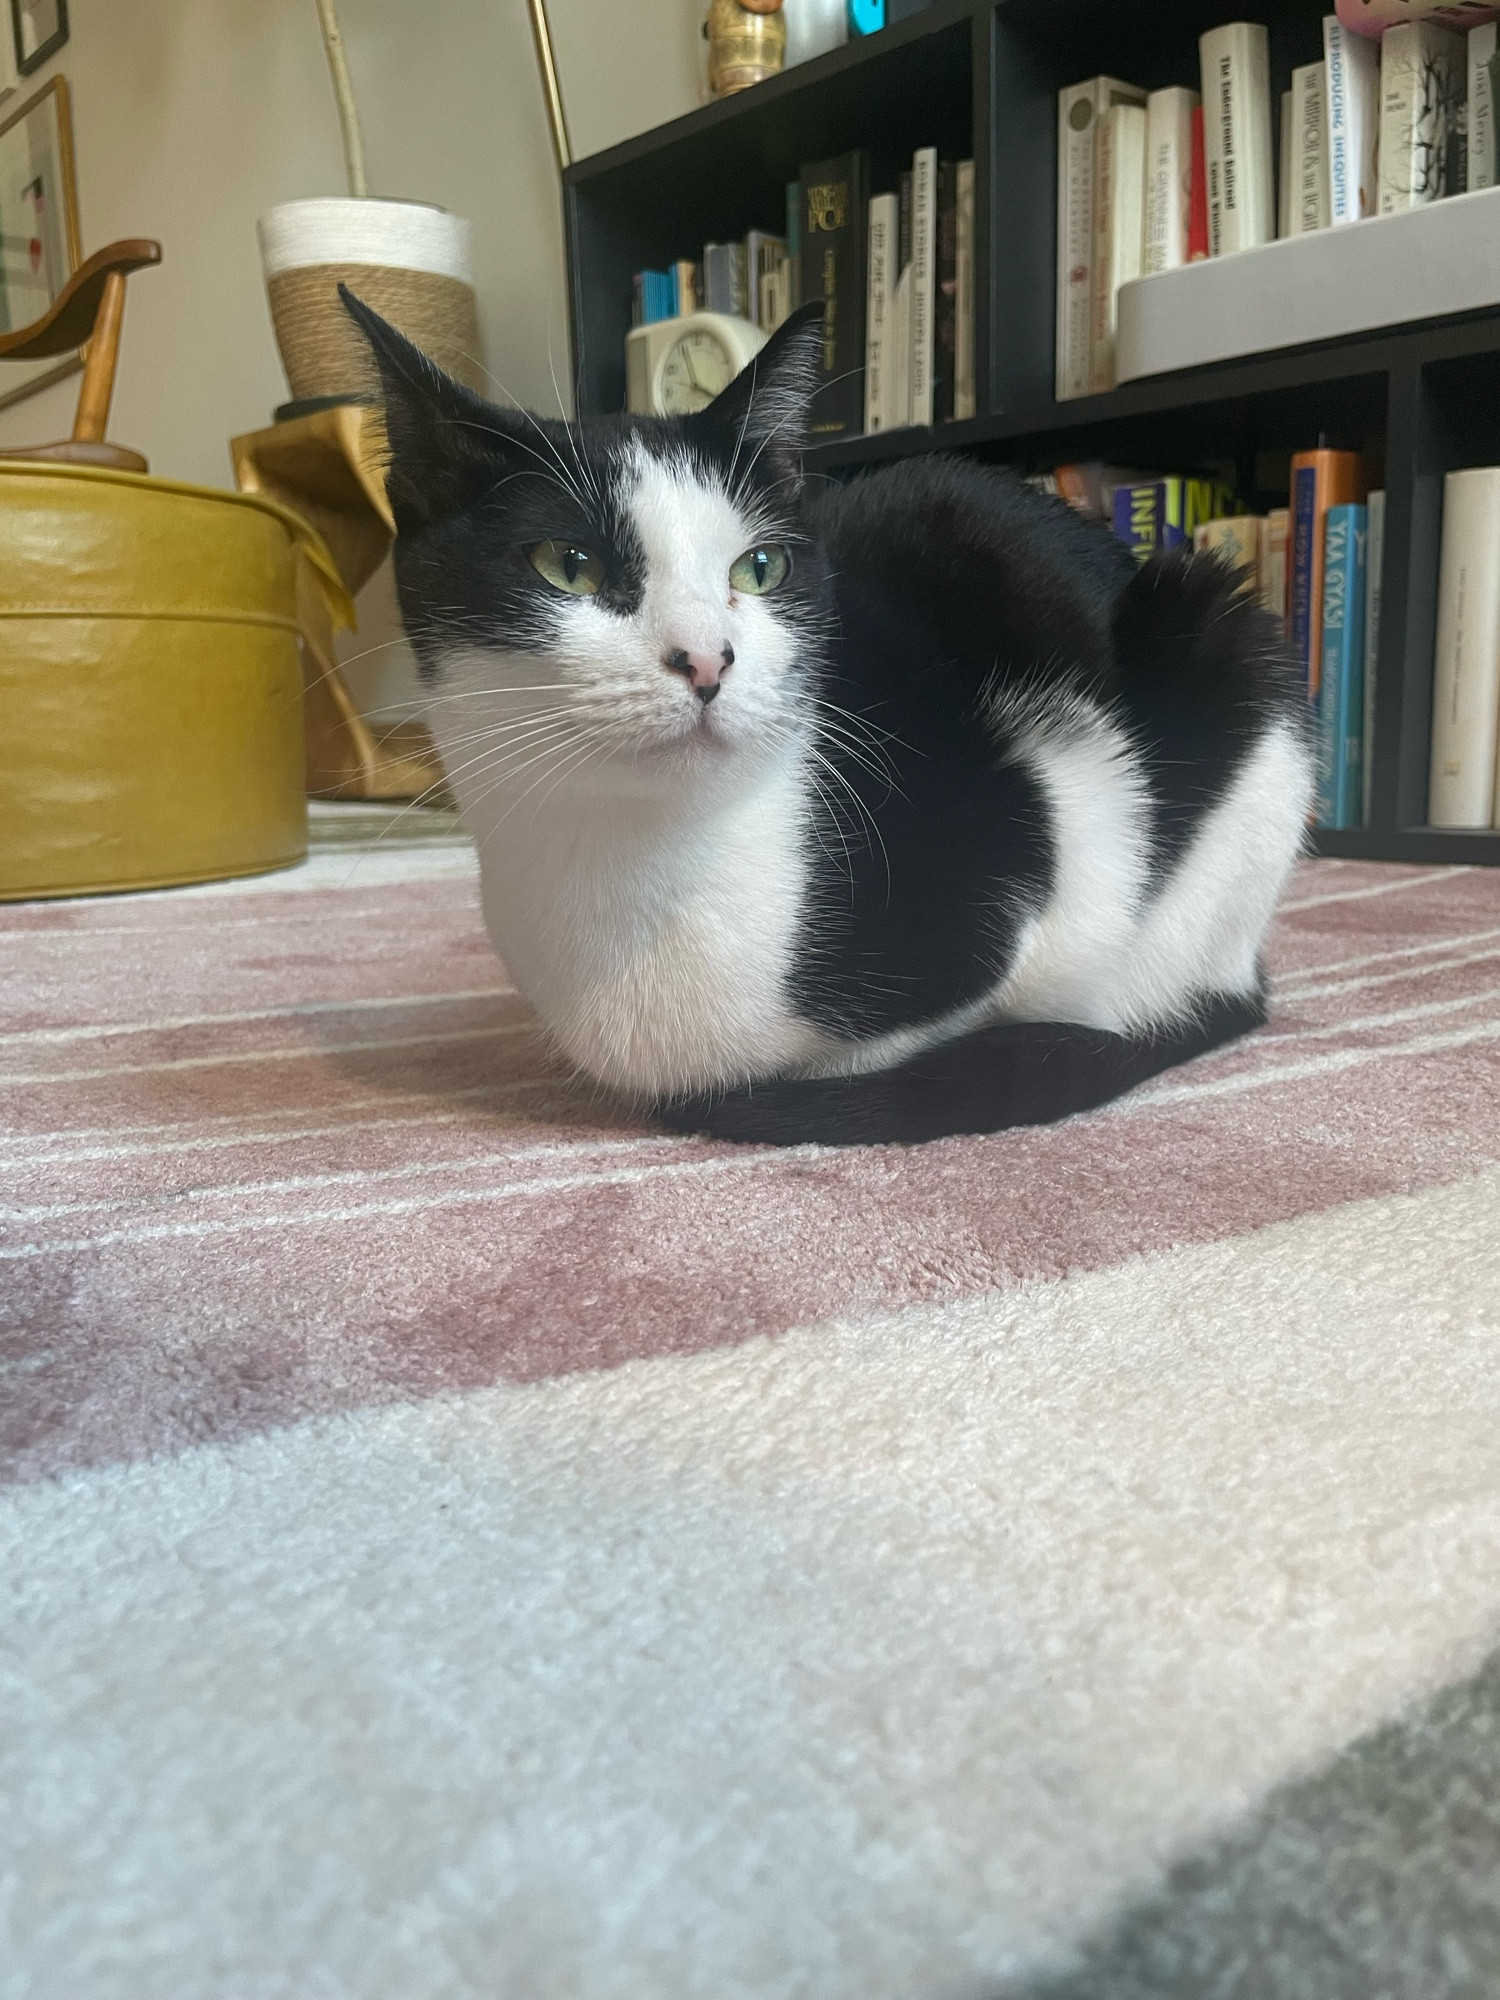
(859, 812)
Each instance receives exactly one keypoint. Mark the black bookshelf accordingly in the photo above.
(979, 78)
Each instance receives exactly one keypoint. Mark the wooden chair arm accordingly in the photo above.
(69, 321)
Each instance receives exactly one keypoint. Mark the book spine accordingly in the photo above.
(1235, 540)
(1118, 219)
(883, 226)
(964, 400)
(1466, 661)
(1309, 190)
(1275, 530)
(739, 280)
(1374, 552)
(1284, 167)
(1304, 512)
(923, 281)
(794, 244)
(834, 241)
(1134, 517)
(1075, 238)
(718, 287)
(1421, 71)
(1198, 205)
(1352, 80)
(1481, 51)
(945, 295)
(1169, 179)
(1237, 128)
(1175, 513)
(1341, 695)
(1373, 17)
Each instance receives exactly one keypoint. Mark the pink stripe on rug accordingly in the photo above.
(320, 1158)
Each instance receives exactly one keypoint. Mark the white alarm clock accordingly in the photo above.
(676, 366)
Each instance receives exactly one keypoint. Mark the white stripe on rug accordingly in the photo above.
(884, 1658)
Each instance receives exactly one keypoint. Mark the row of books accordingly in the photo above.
(756, 279)
(894, 269)
(1147, 181)
(1315, 565)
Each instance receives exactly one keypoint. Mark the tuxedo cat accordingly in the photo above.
(843, 812)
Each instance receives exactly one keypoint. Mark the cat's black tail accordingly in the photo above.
(1016, 1073)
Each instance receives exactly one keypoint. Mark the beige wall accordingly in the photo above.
(191, 117)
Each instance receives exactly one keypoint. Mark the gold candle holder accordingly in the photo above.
(746, 44)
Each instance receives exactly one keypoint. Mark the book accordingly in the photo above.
(923, 280)
(879, 285)
(794, 244)
(1169, 179)
(900, 381)
(964, 397)
(1373, 17)
(1237, 137)
(1484, 74)
(1341, 693)
(1308, 206)
(764, 255)
(1119, 189)
(1466, 659)
(724, 289)
(834, 243)
(1284, 168)
(1374, 553)
(1198, 203)
(1320, 479)
(1423, 68)
(1352, 79)
(945, 294)
(1152, 515)
(1078, 111)
(1235, 540)
(1275, 531)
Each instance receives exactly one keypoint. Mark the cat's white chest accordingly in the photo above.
(655, 945)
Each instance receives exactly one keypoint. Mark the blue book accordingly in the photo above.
(866, 17)
(1304, 525)
(1341, 696)
(1135, 515)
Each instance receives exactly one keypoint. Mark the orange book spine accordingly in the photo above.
(1320, 480)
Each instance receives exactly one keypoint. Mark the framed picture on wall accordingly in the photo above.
(39, 29)
(39, 248)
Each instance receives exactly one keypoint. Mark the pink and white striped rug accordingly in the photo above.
(459, 1542)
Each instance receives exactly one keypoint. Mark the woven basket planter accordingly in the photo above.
(409, 261)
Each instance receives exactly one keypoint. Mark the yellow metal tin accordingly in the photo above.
(150, 681)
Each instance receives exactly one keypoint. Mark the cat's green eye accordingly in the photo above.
(759, 571)
(566, 567)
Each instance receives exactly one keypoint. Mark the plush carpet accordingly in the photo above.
(455, 1542)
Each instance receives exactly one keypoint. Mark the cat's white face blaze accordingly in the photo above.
(617, 696)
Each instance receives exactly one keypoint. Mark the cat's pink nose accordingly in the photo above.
(703, 672)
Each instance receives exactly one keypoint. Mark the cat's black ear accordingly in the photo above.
(445, 443)
(766, 408)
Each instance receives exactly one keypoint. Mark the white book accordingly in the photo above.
(1466, 663)
(1078, 111)
(1309, 194)
(1483, 73)
(1238, 152)
(1374, 549)
(884, 223)
(898, 403)
(1422, 71)
(1352, 79)
(1119, 218)
(1169, 179)
(1284, 168)
(965, 402)
(923, 279)
(1275, 533)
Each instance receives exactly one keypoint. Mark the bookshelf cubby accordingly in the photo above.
(979, 78)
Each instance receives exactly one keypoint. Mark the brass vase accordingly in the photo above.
(746, 44)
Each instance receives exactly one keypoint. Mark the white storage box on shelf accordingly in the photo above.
(1387, 271)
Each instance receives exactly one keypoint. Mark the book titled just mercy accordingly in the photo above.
(834, 197)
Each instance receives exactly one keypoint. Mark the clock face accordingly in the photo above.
(693, 371)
